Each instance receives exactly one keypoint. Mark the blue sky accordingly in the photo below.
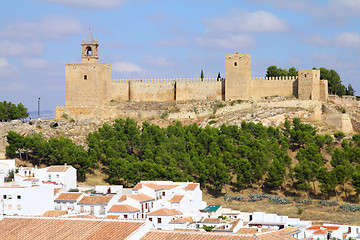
(163, 39)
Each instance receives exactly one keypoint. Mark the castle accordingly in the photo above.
(90, 84)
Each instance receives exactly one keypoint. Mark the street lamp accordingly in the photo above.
(39, 109)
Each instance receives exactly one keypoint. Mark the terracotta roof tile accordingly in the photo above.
(289, 230)
(54, 213)
(320, 231)
(211, 220)
(68, 196)
(112, 217)
(95, 200)
(191, 186)
(275, 235)
(123, 208)
(70, 229)
(155, 186)
(141, 197)
(174, 235)
(328, 228)
(176, 198)
(60, 168)
(165, 212)
(122, 198)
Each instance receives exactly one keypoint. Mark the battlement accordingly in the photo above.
(166, 80)
(284, 78)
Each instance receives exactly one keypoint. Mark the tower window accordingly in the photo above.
(88, 51)
(85, 77)
(305, 75)
(235, 64)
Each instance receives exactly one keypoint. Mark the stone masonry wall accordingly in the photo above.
(120, 90)
(209, 89)
(265, 87)
(145, 90)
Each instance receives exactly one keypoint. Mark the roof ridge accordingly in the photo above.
(82, 219)
(204, 233)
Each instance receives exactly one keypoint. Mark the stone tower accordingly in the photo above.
(90, 53)
(309, 84)
(237, 76)
(88, 83)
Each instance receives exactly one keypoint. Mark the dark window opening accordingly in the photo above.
(125, 216)
(18, 196)
(4, 196)
(235, 64)
(159, 220)
(88, 51)
(305, 75)
(85, 77)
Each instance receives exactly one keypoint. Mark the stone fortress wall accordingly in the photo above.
(90, 83)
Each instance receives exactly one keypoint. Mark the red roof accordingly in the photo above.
(141, 197)
(176, 198)
(328, 228)
(191, 186)
(165, 212)
(320, 231)
(123, 208)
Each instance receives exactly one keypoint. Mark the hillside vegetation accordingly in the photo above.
(245, 157)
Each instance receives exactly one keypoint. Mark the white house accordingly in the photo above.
(124, 211)
(95, 205)
(161, 218)
(63, 176)
(26, 200)
(108, 189)
(68, 201)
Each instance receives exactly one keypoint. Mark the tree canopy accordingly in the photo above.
(9, 111)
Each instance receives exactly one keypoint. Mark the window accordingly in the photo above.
(235, 64)
(50, 176)
(4, 196)
(159, 220)
(163, 194)
(150, 219)
(18, 196)
(10, 197)
(146, 206)
(57, 175)
(18, 207)
(10, 207)
(152, 204)
(125, 216)
(82, 209)
(85, 77)
(305, 75)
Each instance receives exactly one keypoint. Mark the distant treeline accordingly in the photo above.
(9, 111)
(335, 85)
(248, 156)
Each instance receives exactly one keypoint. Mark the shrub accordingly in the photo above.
(300, 211)
(73, 190)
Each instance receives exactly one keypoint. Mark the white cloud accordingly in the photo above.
(122, 66)
(6, 69)
(10, 48)
(38, 63)
(242, 21)
(49, 27)
(344, 39)
(88, 3)
(158, 61)
(296, 5)
(226, 42)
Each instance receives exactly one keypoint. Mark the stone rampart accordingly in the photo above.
(195, 89)
(273, 86)
(120, 90)
(151, 90)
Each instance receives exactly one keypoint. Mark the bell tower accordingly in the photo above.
(89, 48)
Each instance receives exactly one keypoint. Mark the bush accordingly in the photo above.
(304, 201)
(349, 208)
(73, 190)
(279, 200)
(328, 203)
(232, 198)
(300, 211)
(208, 228)
(254, 197)
(212, 122)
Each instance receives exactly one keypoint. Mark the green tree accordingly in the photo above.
(202, 75)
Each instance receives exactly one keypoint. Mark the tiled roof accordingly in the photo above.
(177, 220)
(60, 168)
(165, 212)
(320, 231)
(141, 197)
(173, 235)
(57, 190)
(328, 228)
(275, 235)
(112, 217)
(68, 196)
(211, 220)
(289, 230)
(70, 229)
(176, 198)
(95, 200)
(85, 216)
(123, 208)
(191, 186)
(122, 198)
(54, 213)
(154, 186)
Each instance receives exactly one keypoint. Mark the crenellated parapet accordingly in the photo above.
(284, 78)
(167, 80)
